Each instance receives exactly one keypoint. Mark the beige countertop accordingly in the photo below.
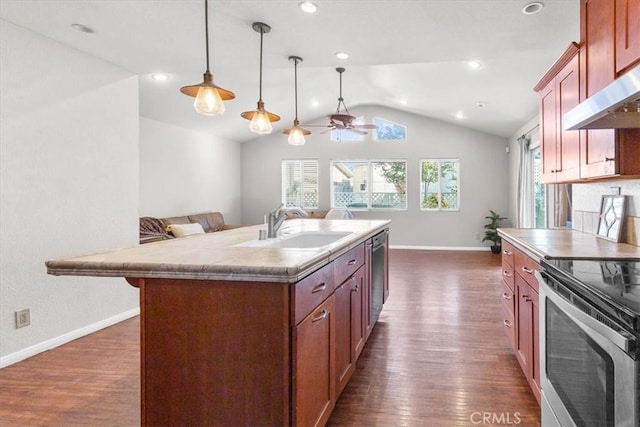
(214, 256)
(565, 243)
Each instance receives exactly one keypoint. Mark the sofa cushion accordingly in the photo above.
(174, 220)
(181, 230)
(210, 221)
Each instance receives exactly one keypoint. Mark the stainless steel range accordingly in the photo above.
(589, 342)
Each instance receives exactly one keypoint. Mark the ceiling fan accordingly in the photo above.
(343, 120)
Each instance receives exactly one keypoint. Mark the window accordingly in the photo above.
(439, 184)
(539, 193)
(369, 185)
(300, 183)
(389, 130)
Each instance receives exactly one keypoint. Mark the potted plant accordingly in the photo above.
(491, 231)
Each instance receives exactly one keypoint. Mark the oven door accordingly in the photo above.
(589, 377)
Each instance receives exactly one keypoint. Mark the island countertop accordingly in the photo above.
(215, 256)
(566, 244)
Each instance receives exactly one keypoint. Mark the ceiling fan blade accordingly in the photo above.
(365, 126)
(328, 130)
(359, 132)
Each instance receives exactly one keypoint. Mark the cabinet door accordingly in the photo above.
(366, 307)
(534, 382)
(548, 130)
(567, 88)
(627, 34)
(358, 317)
(345, 363)
(523, 324)
(314, 366)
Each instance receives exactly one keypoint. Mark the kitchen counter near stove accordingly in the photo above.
(545, 243)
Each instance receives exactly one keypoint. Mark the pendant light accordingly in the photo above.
(208, 96)
(260, 118)
(296, 133)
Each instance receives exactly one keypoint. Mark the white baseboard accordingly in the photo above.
(441, 248)
(63, 339)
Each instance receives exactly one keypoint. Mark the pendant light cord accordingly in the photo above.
(295, 84)
(206, 29)
(261, 35)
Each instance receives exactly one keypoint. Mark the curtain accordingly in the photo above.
(524, 192)
(562, 205)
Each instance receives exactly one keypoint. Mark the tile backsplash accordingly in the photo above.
(586, 201)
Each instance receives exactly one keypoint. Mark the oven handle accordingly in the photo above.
(626, 343)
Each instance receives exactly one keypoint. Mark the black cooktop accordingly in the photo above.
(614, 283)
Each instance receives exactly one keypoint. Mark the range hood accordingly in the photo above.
(617, 106)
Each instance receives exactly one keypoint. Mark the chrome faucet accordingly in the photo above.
(275, 220)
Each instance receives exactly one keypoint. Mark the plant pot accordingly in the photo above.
(496, 249)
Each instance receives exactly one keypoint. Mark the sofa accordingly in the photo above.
(154, 229)
(322, 214)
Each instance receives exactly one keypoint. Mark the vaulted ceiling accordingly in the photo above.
(409, 55)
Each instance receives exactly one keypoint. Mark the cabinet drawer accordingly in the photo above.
(509, 326)
(525, 267)
(311, 291)
(507, 298)
(507, 253)
(347, 264)
(507, 274)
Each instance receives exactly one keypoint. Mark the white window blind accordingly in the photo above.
(300, 183)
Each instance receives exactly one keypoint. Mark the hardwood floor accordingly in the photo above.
(437, 357)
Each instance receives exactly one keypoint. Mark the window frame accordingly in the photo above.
(439, 188)
(369, 163)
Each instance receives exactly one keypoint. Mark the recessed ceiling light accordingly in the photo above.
(160, 77)
(342, 55)
(474, 64)
(82, 28)
(315, 103)
(308, 7)
(459, 115)
(532, 8)
(402, 101)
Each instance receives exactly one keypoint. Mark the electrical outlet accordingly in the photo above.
(23, 318)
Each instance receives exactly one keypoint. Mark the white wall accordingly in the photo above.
(184, 172)
(483, 179)
(69, 185)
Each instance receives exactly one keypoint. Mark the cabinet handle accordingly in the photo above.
(527, 269)
(609, 159)
(525, 296)
(319, 288)
(369, 245)
(506, 323)
(506, 252)
(355, 288)
(352, 262)
(319, 318)
(553, 171)
(506, 295)
(506, 273)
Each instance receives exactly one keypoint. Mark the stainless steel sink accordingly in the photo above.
(302, 240)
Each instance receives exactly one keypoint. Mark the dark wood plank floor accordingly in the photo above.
(437, 357)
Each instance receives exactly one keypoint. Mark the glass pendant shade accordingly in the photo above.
(260, 118)
(208, 96)
(297, 132)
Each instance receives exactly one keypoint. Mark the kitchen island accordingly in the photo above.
(236, 331)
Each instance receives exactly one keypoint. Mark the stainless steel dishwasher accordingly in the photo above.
(378, 254)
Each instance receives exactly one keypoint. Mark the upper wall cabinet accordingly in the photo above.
(627, 34)
(610, 44)
(559, 92)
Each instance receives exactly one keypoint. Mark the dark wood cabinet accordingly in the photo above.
(627, 34)
(519, 303)
(314, 364)
(350, 332)
(224, 352)
(560, 92)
